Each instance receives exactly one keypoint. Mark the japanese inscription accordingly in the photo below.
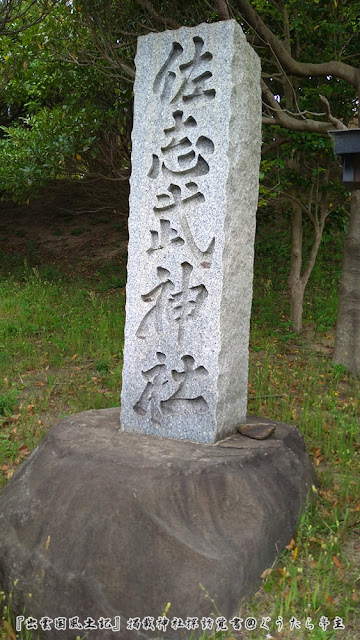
(184, 154)
(180, 234)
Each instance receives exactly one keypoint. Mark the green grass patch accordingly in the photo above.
(7, 402)
(61, 352)
(8, 625)
(111, 276)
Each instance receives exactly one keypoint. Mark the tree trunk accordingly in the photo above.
(296, 288)
(347, 341)
(296, 305)
(298, 279)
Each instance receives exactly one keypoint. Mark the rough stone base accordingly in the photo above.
(102, 523)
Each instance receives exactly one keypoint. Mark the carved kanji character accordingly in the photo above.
(183, 152)
(157, 378)
(159, 295)
(167, 235)
(187, 398)
(177, 205)
(188, 80)
(186, 303)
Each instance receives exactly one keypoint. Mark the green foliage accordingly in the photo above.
(270, 305)
(300, 163)
(55, 114)
(35, 152)
(8, 399)
(66, 85)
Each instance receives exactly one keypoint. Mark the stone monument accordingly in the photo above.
(194, 186)
(106, 529)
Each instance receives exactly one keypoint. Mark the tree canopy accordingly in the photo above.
(67, 69)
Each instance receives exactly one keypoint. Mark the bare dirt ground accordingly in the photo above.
(66, 228)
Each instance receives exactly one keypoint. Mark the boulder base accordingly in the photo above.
(103, 523)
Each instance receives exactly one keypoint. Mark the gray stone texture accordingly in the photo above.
(194, 186)
(101, 523)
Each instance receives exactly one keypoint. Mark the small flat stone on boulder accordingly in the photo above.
(258, 431)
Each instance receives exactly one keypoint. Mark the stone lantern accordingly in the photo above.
(347, 148)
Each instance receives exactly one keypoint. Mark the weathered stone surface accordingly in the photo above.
(194, 186)
(258, 431)
(102, 523)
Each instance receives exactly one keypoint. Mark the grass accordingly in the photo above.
(61, 352)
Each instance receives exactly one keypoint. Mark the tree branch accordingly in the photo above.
(273, 145)
(167, 22)
(276, 5)
(222, 9)
(303, 69)
(255, 41)
(10, 11)
(281, 118)
(288, 196)
(335, 121)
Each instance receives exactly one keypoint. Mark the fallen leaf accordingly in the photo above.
(266, 573)
(75, 356)
(9, 630)
(40, 384)
(30, 408)
(294, 555)
(337, 562)
(24, 451)
(291, 545)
